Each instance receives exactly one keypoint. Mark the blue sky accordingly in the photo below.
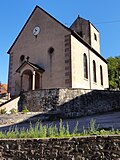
(104, 14)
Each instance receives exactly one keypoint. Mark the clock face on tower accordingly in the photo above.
(36, 31)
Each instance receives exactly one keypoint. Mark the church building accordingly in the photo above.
(46, 54)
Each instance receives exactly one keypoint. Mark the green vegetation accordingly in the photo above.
(24, 109)
(51, 131)
(114, 72)
(3, 111)
(13, 110)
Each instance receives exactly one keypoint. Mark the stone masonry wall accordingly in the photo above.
(71, 102)
(48, 99)
(82, 148)
(96, 101)
(40, 101)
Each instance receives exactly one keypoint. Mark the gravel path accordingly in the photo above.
(8, 119)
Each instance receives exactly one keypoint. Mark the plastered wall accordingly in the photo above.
(77, 63)
(52, 34)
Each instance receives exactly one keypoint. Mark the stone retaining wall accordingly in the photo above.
(71, 102)
(4, 97)
(10, 104)
(48, 99)
(83, 148)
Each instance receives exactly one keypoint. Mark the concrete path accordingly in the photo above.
(107, 121)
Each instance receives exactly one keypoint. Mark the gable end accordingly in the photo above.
(28, 21)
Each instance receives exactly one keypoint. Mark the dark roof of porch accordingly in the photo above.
(34, 66)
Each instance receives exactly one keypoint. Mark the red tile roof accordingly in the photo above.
(3, 88)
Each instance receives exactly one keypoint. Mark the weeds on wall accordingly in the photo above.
(13, 110)
(24, 109)
(44, 131)
(3, 111)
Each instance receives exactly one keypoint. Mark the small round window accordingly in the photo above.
(50, 50)
(22, 57)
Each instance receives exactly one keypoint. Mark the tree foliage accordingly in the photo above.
(114, 72)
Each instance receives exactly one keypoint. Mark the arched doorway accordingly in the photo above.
(26, 82)
(31, 76)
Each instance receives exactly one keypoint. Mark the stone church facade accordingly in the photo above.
(46, 54)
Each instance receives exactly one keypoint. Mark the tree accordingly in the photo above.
(114, 72)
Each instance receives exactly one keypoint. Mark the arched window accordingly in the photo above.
(85, 66)
(50, 50)
(101, 75)
(22, 58)
(94, 72)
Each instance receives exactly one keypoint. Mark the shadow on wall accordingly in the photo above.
(70, 103)
(91, 103)
(21, 103)
(55, 106)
